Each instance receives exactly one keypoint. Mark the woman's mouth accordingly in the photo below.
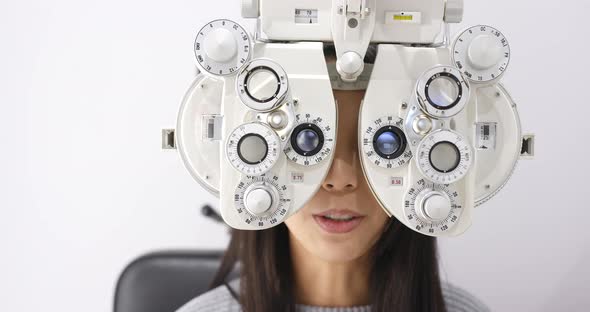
(338, 221)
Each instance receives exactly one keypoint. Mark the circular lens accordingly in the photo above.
(308, 140)
(444, 156)
(388, 143)
(262, 84)
(443, 92)
(252, 148)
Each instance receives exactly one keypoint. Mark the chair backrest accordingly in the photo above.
(163, 281)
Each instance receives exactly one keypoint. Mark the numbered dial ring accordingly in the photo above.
(222, 47)
(442, 92)
(262, 201)
(311, 141)
(444, 156)
(253, 148)
(262, 85)
(431, 208)
(385, 143)
(481, 53)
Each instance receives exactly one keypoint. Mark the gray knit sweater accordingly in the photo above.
(221, 300)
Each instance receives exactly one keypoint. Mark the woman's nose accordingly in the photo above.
(343, 175)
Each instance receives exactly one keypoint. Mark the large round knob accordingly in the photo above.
(258, 201)
(435, 206)
(350, 65)
(220, 45)
(484, 52)
(481, 53)
(433, 209)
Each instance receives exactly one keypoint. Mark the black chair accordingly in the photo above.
(163, 281)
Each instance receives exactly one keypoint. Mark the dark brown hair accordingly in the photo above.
(404, 272)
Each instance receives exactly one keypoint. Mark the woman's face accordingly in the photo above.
(344, 193)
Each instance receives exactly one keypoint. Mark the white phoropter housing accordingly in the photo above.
(438, 134)
(245, 130)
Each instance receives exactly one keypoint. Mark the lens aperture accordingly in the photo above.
(308, 140)
(262, 84)
(388, 143)
(252, 148)
(443, 92)
(444, 157)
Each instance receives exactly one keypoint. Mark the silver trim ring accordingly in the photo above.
(242, 87)
(430, 108)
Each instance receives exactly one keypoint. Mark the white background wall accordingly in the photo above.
(86, 87)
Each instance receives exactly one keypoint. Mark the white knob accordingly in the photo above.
(436, 207)
(484, 52)
(350, 65)
(220, 45)
(258, 201)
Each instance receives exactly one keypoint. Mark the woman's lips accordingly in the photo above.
(338, 226)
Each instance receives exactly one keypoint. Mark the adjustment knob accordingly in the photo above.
(422, 125)
(258, 201)
(262, 201)
(484, 52)
(220, 45)
(481, 53)
(350, 65)
(435, 206)
(433, 209)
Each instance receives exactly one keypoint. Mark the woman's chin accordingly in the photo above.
(339, 250)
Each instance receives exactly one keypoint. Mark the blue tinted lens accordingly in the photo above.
(388, 143)
(307, 140)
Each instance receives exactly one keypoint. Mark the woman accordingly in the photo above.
(374, 263)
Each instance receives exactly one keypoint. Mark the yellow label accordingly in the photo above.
(403, 17)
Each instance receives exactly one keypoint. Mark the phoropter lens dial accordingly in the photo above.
(481, 53)
(253, 148)
(385, 143)
(442, 92)
(262, 85)
(444, 156)
(432, 208)
(262, 201)
(311, 141)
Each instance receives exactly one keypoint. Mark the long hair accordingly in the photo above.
(404, 273)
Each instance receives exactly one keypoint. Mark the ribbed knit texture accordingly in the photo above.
(221, 300)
